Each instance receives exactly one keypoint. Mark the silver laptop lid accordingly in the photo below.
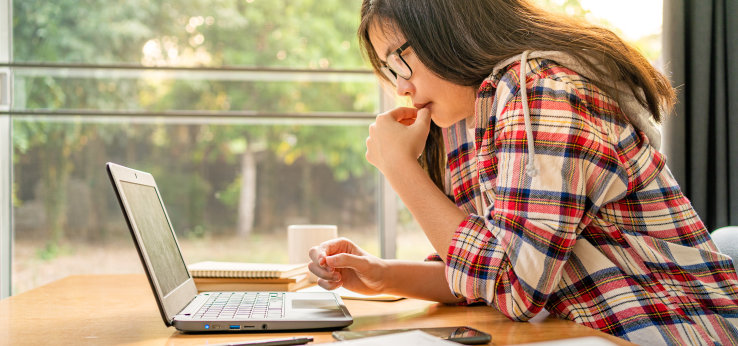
(155, 240)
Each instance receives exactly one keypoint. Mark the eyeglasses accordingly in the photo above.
(396, 65)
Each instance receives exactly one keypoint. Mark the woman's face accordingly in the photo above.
(447, 102)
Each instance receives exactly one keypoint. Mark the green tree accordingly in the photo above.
(302, 34)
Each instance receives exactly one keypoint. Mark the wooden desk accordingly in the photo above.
(70, 312)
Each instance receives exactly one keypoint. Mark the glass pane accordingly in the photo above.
(315, 34)
(67, 220)
(194, 90)
(636, 21)
(412, 244)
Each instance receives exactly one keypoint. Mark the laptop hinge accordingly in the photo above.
(194, 305)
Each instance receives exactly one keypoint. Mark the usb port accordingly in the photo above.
(234, 326)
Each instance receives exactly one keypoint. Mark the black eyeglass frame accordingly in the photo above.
(392, 73)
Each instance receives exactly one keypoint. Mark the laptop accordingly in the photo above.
(176, 295)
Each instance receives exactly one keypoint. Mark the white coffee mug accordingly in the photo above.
(300, 238)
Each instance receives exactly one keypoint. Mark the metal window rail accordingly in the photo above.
(6, 173)
(194, 117)
(235, 73)
(228, 73)
(178, 68)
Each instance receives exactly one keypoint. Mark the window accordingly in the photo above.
(250, 114)
(637, 21)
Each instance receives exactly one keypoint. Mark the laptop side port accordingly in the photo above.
(234, 326)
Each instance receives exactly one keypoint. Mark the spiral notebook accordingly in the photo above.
(215, 269)
(290, 284)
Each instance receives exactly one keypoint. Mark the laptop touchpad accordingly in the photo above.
(321, 304)
(316, 305)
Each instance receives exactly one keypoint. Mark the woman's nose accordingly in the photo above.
(404, 87)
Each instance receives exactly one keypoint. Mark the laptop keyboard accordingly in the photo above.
(242, 305)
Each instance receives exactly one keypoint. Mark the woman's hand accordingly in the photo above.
(397, 136)
(339, 262)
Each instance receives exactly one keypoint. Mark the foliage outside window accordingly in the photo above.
(251, 114)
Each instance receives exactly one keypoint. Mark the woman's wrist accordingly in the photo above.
(400, 276)
(423, 280)
(402, 171)
(389, 283)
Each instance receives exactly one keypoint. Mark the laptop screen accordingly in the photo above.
(158, 239)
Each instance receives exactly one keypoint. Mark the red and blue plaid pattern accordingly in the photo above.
(602, 236)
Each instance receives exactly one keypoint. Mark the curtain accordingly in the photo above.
(701, 136)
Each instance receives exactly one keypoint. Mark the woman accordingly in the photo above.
(540, 184)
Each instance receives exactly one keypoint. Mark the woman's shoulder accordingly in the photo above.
(549, 75)
(539, 70)
(557, 94)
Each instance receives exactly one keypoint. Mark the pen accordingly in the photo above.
(297, 340)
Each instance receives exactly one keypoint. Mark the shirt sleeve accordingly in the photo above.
(512, 257)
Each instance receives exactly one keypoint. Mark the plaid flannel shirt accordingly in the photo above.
(602, 236)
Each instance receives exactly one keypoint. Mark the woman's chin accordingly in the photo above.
(441, 122)
(447, 121)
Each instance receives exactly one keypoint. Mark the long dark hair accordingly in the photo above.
(462, 41)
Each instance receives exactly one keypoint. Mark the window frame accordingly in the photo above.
(6, 158)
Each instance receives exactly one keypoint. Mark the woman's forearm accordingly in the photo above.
(422, 280)
(435, 213)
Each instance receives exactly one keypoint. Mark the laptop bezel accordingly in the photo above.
(176, 300)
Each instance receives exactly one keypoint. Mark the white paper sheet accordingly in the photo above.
(411, 338)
